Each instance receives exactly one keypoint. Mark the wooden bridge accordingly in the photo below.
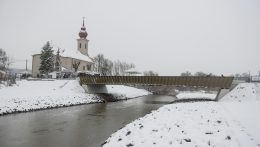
(97, 84)
(193, 81)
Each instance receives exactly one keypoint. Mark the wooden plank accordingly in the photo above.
(165, 80)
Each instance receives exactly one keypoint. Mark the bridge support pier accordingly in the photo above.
(95, 88)
(221, 93)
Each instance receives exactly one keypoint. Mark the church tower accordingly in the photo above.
(83, 41)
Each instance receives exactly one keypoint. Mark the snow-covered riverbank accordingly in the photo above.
(121, 92)
(35, 95)
(197, 95)
(234, 121)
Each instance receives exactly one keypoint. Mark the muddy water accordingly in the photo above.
(78, 126)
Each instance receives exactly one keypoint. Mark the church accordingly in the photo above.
(70, 57)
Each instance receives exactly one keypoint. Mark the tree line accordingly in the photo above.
(203, 74)
(4, 60)
(200, 73)
(108, 67)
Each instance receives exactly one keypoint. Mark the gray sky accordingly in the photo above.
(167, 36)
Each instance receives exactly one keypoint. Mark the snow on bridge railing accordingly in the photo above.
(194, 81)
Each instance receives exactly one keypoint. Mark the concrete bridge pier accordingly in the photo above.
(101, 91)
(221, 93)
(95, 88)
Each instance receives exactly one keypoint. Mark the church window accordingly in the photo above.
(85, 45)
(79, 45)
(89, 67)
(83, 67)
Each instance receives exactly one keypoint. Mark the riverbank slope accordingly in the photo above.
(231, 122)
(36, 95)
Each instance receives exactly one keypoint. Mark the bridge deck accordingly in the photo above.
(213, 82)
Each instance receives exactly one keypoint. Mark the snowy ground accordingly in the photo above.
(232, 122)
(196, 94)
(35, 95)
(125, 92)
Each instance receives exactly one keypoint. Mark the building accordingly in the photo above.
(70, 57)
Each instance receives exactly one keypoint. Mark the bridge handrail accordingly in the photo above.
(194, 81)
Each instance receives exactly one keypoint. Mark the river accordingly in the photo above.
(77, 126)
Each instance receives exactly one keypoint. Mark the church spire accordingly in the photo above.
(83, 33)
(83, 22)
(83, 41)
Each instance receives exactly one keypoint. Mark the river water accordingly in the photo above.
(77, 126)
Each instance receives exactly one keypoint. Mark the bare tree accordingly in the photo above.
(201, 74)
(4, 60)
(212, 75)
(237, 75)
(245, 74)
(99, 61)
(116, 68)
(57, 61)
(108, 67)
(150, 73)
(4, 64)
(75, 65)
(187, 73)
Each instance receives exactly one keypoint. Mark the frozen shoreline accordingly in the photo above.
(28, 96)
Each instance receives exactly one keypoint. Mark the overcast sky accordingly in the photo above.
(167, 36)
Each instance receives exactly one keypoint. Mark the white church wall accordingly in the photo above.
(66, 62)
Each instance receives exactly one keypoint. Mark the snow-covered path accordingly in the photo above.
(232, 122)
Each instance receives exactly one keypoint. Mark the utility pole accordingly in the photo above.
(249, 76)
(26, 64)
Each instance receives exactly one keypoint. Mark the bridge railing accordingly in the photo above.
(194, 81)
